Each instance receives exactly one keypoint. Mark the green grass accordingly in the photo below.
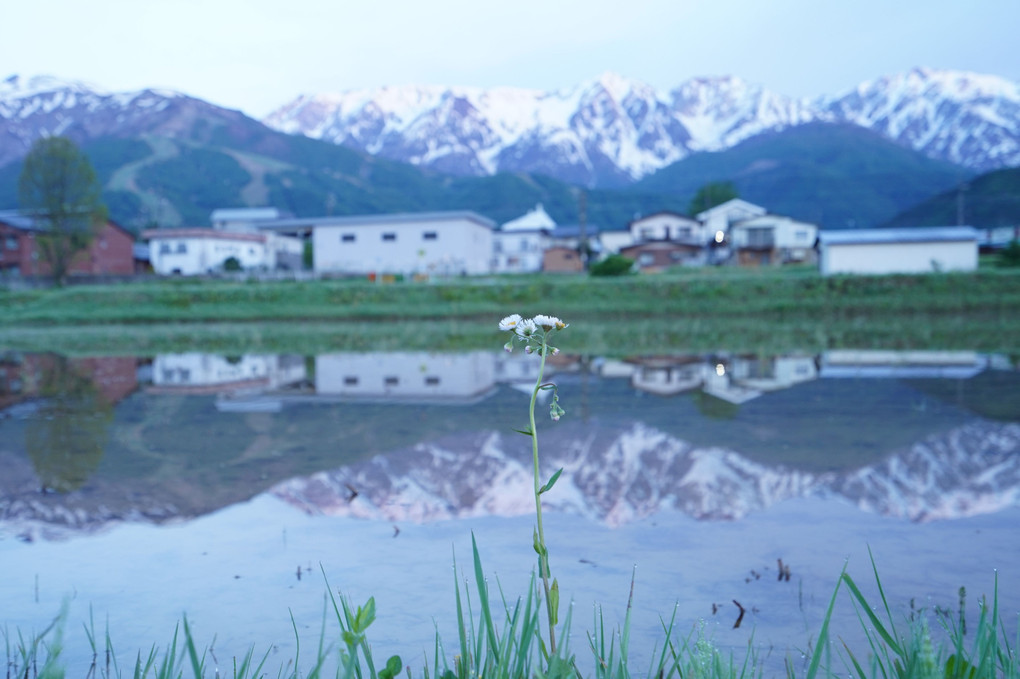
(716, 309)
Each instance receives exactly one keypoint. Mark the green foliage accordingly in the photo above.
(59, 188)
(1010, 255)
(710, 195)
(232, 264)
(194, 180)
(613, 265)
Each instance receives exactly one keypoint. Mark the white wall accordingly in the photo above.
(882, 258)
(189, 255)
(448, 246)
(517, 251)
(666, 226)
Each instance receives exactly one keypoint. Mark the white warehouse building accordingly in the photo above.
(434, 243)
(903, 250)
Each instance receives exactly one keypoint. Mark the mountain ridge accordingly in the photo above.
(611, 130)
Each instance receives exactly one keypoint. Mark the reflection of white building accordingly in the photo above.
(735, 379)
(212, 373)
(906, 364)
(395, 376)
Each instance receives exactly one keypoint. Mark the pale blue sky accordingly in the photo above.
(258, 54)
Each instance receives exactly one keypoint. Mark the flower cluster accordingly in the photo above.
(533, 332)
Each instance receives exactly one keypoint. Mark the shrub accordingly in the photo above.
(613, 265)
(232, 264)
(1010, 255)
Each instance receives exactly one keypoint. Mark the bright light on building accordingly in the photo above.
(719, 236)
(720, 369)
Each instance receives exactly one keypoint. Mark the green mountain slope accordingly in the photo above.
(991, 200)
(180, 180)
(837, 176)
(180, 171)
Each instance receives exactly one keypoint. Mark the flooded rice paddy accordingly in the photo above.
(230, 488)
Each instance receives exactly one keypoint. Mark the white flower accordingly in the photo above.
(549, 323)
(525, 328)
(510, 322)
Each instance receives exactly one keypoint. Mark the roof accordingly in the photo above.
(662, 213)
(213, 234)
(375, 220)
(920, 234)
(244, 214)
(533, 220)
(731, 204)
(574, 231)
(19, 220)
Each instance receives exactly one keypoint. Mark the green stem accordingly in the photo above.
(543, 557)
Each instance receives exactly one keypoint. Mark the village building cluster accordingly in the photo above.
(464, 243)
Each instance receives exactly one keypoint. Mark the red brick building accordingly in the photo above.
(111, 251)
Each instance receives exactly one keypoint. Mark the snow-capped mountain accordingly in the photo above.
(46, 106)
(615, 130)
(608, 131)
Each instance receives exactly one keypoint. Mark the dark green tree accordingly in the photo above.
(59, 189)
(710, 195)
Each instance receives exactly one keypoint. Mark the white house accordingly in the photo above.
(904, 250)
(717, 220)
(212, 373)
(442, 243)
(773, 239)
(518, 245)
(188, 252)
(667, 226)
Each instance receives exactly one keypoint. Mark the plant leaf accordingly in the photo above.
(552, 481)
(526, 432)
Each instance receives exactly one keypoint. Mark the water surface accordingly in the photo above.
(226, 486)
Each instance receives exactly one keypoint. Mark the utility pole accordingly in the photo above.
(961, 203)
(582, 219)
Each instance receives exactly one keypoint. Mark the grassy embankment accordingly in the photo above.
(767, 311)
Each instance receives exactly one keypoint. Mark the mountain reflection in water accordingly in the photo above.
(418, 436)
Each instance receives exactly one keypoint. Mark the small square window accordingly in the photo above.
(392, 381)
(350, 381)
(429, 235)
(347, 238)
(389, 236)
(432, 380)
(182, 247)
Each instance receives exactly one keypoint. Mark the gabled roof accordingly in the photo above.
(532, 220)
(920, 234)
(767, 219)
(729, 206)
(668, 213)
